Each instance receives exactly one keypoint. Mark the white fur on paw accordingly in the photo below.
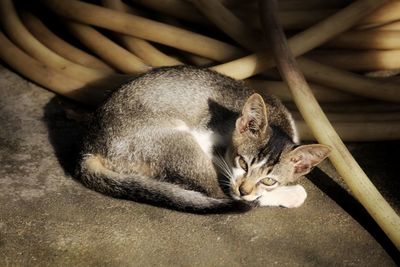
(284, 196)
(295, 197)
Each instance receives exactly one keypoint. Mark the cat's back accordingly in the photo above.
(179, 89)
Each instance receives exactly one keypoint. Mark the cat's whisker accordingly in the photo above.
(223, 165)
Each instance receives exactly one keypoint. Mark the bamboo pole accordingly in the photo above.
(349, 82)
(106, 49)
(144, 28)
(280, 89)
(303, 42)
(175, 8)
(347, 167)
(230, 24)
(388, 12)
(366, 60)
(61, 47)
(17, 32)
(390, 119)
(367, 39)
(356, 131)
(296, 17)
(141, 48)
(393, 26)
(45, 76)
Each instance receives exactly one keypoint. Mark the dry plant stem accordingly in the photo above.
(145, 29)
(44, 75)
(175, 8)
(360, 60)
(61, 47)
(358, 132)
(234, 28)
(349, 82)
(347, 167)
(388, 12)
(303, 4)
(367, 39)
(394, 26)
(141, 48)
(303, 42)
(390, 118)
(291, 19)
(109, 51)
(280, 89)
(301, 18)
(17, 32)
(198, 61)
(321, 74)
(230, 24)
(364, 106)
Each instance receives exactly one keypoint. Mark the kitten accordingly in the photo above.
(194, 140)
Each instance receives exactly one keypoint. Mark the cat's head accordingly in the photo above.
(263, 157)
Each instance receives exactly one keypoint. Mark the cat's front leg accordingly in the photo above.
(291, 196)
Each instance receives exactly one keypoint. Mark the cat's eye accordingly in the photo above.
(268, 181)
(242, 163)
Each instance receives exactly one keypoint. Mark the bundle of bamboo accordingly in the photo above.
(345, 49)
(348, 49)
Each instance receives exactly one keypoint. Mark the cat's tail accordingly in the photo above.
(138, 187)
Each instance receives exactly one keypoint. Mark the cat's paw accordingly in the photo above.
(295, 197)
(285, 196)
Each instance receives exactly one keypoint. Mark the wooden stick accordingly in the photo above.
(367, 60)
(144, 28)
(280, 89)
(141, 48)
(303, 42)
(61, 47)
(347, 167)
(291, 19)
(288, 4)
(390, 118)
(17, 32)
(349, 82)
(109, 51)
(230, 24)
(46, 76)
(175, 8)
(311, 4)
(355, 131)
(393, 26)
(389, 12)
(295, 17)
(367, 39)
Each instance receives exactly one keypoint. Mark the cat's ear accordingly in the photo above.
(305, 157)
(254, 116)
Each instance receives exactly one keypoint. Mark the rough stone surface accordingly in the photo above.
(49, 219)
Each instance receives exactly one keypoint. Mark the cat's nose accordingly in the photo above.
(243, 190)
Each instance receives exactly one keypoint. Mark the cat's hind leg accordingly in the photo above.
(186, 162)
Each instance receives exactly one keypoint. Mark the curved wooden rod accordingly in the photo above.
(345, 164)
(141, 48)
(61, 47)
(17, 32)
(145, 29)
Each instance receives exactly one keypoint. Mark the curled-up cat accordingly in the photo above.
(194, 140)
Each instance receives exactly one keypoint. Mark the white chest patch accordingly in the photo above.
(206, 139)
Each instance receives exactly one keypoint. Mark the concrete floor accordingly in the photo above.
(49, 219)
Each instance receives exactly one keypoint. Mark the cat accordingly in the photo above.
(194, 140)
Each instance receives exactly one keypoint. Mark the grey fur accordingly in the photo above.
(133, 149)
